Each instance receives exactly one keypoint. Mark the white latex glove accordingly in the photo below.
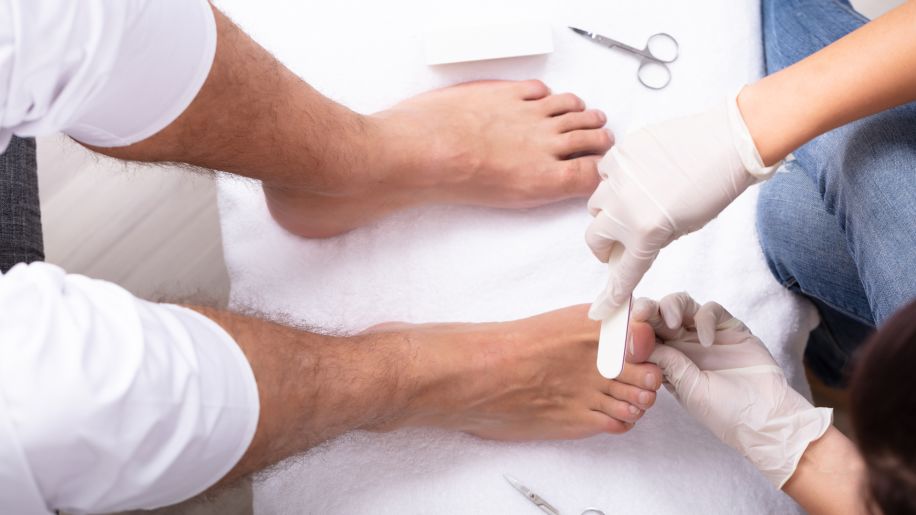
(664, 181)
(726, 379)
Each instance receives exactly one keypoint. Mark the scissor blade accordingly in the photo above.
(517, 485)
(583, 33)
(531, 496)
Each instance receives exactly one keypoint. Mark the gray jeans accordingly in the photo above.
(20, 216)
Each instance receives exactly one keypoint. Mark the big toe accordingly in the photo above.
(641, 342)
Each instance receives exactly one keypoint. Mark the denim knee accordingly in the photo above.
(804, 246)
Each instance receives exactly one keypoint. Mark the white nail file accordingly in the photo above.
(455, 44)
(612, 340)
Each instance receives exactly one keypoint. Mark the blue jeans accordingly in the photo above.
(838, 224)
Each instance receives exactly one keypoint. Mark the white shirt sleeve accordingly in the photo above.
(106, 72)
(109, 402)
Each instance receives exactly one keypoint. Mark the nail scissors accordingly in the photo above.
(540, 502)
(653, 63)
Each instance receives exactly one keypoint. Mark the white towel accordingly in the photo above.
(467, 264)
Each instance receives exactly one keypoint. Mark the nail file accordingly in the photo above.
(612, 340)
(461, 43)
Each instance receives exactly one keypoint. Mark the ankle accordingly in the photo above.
(451, 374)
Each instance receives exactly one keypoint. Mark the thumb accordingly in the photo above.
(681, 374)
(626, 272)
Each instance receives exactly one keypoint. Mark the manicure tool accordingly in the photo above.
(540, 502)
(650, 62)
(612, 339)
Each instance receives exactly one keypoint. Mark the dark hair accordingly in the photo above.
(883, 409)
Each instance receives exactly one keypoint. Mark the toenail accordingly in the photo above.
(645, 398)
(634, 410)
(650, 381)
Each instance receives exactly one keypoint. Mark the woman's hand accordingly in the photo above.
(664, 181)
(726, 378)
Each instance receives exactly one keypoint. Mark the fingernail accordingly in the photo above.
(634, 410)
(631, 347)
(602, 116)
(645, 398)
(650, 381)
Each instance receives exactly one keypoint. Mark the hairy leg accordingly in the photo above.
(541, 380)
(490, 143)
(326, 169)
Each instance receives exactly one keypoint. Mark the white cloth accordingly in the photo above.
(458, 263)
(106, 72)
(109, 402)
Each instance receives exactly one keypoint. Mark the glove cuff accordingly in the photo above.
(796, 435)
(744, 143)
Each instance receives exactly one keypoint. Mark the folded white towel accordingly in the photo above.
(468, 264)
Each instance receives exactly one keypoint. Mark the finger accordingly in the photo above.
(678, 309)
(589, 119)
(625, 275)
(645, 310)
(639, 397)
(712, 318)
(610, 165)
(679, 371)
(602, 234)
(620, 410)
(598, 198)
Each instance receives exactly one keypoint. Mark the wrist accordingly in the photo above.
(780, 115)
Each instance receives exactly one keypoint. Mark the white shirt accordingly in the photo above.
(108, 402)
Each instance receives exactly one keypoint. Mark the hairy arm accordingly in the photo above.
(829, 477)
(868, 71)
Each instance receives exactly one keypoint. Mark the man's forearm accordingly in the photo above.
(254, 117)
(829, 477)
(868, 71)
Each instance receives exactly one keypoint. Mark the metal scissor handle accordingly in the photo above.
(651, 61)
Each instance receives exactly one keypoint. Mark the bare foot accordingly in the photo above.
(492, 143)
(532, 379)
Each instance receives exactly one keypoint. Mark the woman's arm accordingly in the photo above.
(829, 477)
(868, 71)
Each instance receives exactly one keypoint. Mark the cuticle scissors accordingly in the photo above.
(540, 502)
(648, 59)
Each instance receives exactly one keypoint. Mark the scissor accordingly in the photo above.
(649, 60)
(540, 502)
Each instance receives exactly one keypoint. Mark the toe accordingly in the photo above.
(592, 142)
(590, 119)
(642, 342)
(639, 397)
(573, 178)
(531, 89)
(619, 410)
(643, 375)
(561, 104)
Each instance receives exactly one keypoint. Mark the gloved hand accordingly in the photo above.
(664, 181)
(726, 379)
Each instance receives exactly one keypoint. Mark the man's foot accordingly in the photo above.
(532, 379)
(492, 143)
